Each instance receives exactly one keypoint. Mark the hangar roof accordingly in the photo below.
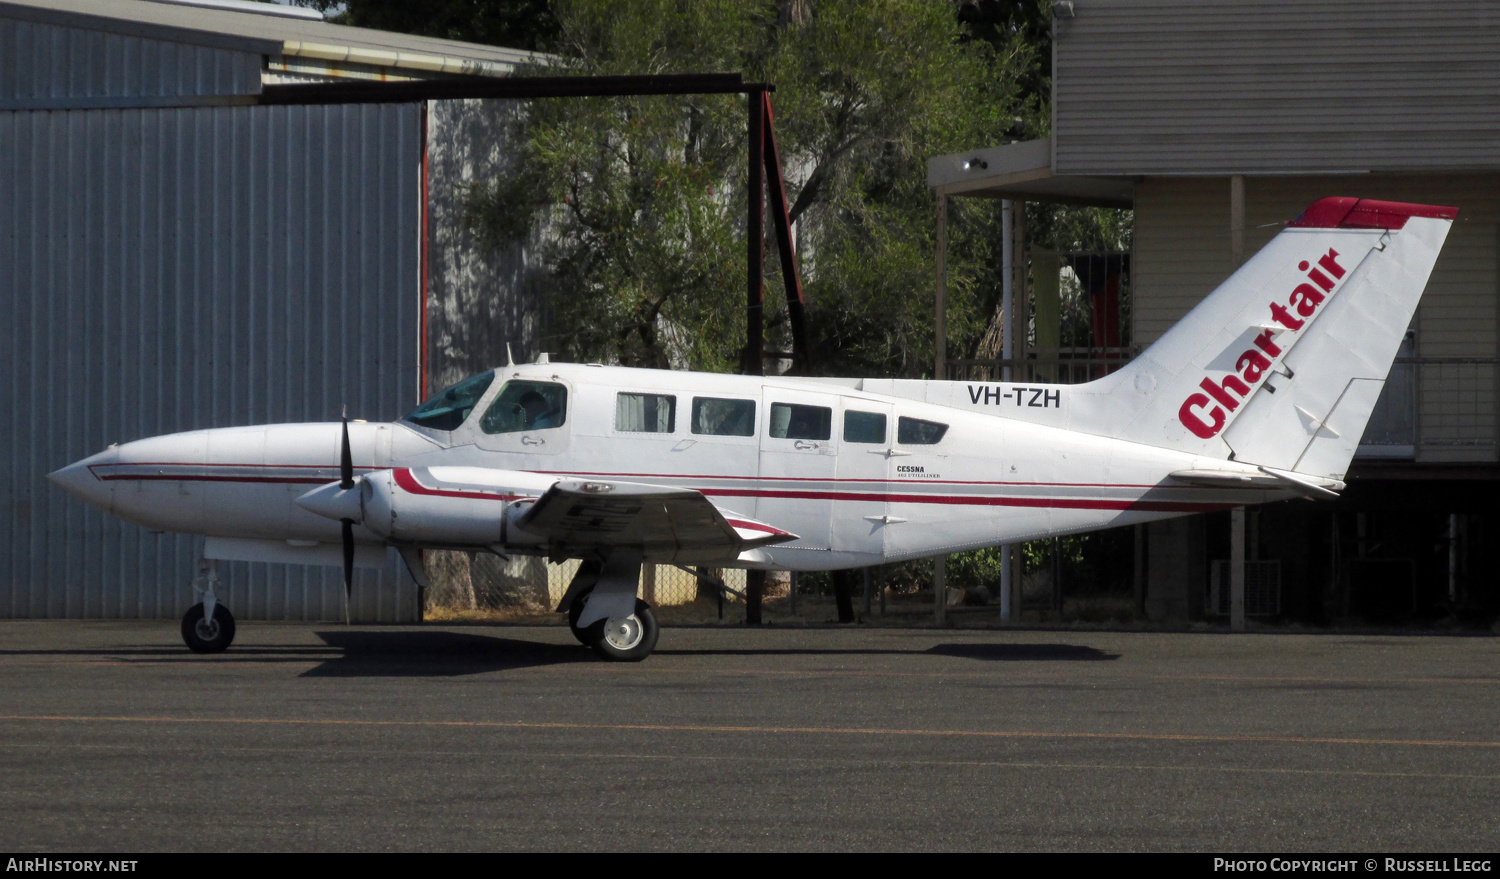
(274, 35)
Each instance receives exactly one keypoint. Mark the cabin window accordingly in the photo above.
(864, 427)
(524, 405)
(645, 413)
(716, 417)
(449, 409)
(916, 432)
(791, 421)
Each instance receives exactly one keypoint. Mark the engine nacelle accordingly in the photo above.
(449, 506)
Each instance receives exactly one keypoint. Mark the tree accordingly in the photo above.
(516, 24)
(645, 197)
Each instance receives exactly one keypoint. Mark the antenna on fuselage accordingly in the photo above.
(510, 359)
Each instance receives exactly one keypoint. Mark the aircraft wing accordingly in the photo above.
(670, 524)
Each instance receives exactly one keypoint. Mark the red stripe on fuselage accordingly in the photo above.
(972, 500)
(311, 480)
(833, 479)
(409, 484)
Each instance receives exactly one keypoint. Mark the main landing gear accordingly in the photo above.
(617, 638)
(603, 612)
(208, 627)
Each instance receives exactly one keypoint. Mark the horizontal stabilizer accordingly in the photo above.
(1263, 477)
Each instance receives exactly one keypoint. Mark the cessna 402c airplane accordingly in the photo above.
(1260, 393)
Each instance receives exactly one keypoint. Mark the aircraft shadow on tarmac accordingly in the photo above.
(1023, 652)
(240, 654)
(1003, 652)
(439, 654)
(418, 654)
(436, 654)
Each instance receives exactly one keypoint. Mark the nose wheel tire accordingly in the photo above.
(203, 635)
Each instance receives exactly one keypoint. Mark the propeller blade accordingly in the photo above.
(348, 565)
(346, 465)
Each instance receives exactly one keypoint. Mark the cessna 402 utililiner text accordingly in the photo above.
(1260, 393)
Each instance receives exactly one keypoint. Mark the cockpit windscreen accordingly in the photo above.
(450, 408)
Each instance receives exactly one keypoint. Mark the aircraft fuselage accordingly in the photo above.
(859, 477)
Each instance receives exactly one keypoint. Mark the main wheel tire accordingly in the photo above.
(625, 639)
(575, 610)
(204, 635)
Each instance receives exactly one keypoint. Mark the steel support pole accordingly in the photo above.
(1020, 293)
(1237, 569)
(1237, 515)
(1008, 321)
(940, 590)
(1008, 325)
(755, 234)
(785, 246)
(940, 302)
(940, 372)
(755, 587)
(1006, 584)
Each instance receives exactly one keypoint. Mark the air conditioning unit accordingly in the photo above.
(1262, 589)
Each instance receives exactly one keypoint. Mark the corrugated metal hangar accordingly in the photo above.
(175, 255)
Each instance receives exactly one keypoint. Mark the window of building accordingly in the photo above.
(718, 417)
(916, 432)
(526, 405)
(645, 413)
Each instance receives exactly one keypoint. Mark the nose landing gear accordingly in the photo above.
(207, 634)
(208, 627)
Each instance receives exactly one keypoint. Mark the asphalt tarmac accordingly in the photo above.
(325, 738)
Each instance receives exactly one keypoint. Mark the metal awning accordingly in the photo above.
(334, 50)
(1023, 171)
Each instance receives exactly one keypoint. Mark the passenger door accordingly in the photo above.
(860, 523)
(798, 463)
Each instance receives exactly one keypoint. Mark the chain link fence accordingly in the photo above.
(527, 584)
(484, 584)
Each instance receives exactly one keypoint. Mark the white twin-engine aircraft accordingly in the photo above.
(1260, 393)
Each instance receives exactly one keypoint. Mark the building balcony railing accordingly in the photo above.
(1436, 409)
(1432, 409)
(1057, 366)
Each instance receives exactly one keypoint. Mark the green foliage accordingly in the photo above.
(1065, 228)
(516, 24)
(644, 198)
(979, 568)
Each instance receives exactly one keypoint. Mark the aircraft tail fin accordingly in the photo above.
(1281, 366)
